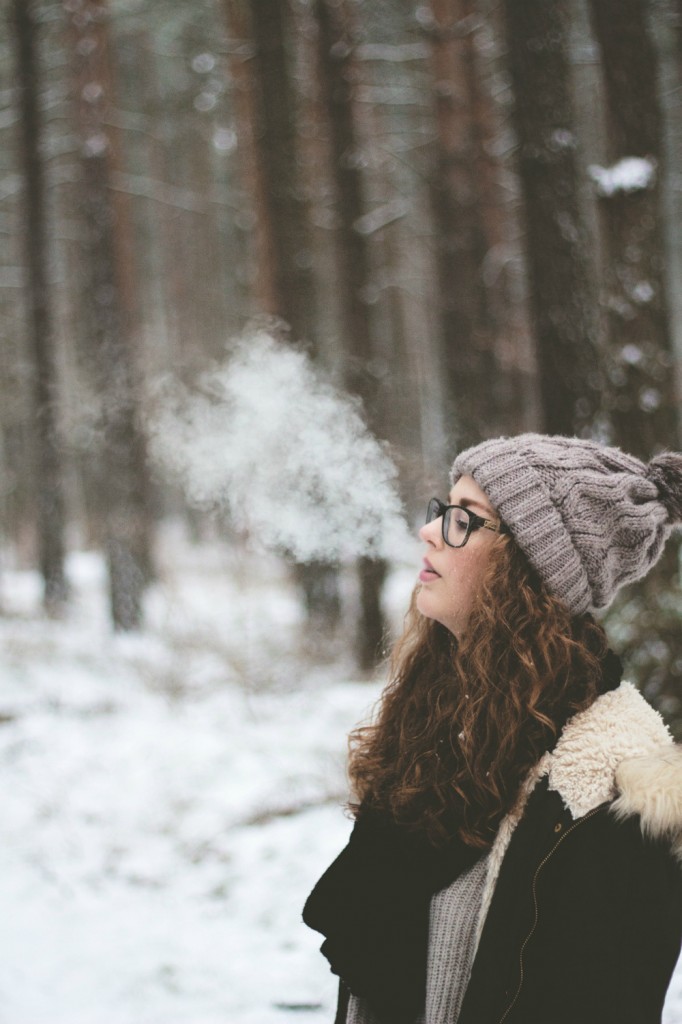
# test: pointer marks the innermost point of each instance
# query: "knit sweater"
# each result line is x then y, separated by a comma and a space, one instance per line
452, 945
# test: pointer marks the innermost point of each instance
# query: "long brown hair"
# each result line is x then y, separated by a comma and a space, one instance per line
463, 721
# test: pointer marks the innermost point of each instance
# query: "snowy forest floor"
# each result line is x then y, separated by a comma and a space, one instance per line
169, 799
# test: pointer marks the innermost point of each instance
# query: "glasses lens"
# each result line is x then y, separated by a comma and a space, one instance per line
434, 510
456, 526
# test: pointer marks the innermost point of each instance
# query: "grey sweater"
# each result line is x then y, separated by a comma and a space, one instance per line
452, 927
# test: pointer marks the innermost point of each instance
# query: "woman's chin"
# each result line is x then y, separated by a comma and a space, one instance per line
425, 604
422, 602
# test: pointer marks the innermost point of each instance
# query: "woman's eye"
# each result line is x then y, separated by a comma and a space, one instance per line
461, 523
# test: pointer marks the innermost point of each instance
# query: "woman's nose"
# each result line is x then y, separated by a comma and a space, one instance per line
431, 533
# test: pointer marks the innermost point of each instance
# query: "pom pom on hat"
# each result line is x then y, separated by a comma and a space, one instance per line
665, 471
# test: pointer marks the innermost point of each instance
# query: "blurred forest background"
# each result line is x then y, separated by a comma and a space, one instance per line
468, 211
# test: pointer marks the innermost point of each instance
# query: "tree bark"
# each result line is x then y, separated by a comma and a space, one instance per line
50, 499
642, 397
246, 102
463, 237
563, 306
267, 121
336, 76
110, 290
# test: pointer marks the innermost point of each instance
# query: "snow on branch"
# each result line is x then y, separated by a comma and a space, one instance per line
631, 174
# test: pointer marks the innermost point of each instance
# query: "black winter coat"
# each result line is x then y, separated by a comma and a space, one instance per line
581, 921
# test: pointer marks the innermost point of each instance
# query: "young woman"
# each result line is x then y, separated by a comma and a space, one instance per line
516, 856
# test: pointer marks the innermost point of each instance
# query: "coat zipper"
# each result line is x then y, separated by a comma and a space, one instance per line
535, 905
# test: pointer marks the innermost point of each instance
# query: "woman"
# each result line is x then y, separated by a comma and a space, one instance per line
517, 851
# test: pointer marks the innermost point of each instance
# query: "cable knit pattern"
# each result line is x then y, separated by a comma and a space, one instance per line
452, 925
589, 518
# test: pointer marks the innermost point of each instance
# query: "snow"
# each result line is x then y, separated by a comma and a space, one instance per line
631, 354
203, 63
562, 138
95, 145
224, 140
649, 399
631, 174
643, 292
170, 798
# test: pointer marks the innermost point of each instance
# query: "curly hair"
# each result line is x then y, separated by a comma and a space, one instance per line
463, 721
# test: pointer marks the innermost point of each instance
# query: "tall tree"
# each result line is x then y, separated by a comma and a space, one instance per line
269, 122
49, 481
464, 180
337, 74
267, 116
643, 400
563, 304
643, 406
110, 293
253, 164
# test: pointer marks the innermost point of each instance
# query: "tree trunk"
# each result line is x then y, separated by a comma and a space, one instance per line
267, 120
45, 388
642, 394
463, 239
246, 105
563, 307
110, 290
336, 77
642, 397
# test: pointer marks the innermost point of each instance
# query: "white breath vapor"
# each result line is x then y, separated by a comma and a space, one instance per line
265, 437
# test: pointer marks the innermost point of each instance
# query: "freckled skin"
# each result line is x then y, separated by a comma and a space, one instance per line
449, 597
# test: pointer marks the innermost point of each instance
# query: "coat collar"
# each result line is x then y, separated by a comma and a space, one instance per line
591, 762
618, 749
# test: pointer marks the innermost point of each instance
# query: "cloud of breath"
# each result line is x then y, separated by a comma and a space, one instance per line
266, 438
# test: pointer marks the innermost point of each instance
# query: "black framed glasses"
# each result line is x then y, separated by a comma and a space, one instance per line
459, 522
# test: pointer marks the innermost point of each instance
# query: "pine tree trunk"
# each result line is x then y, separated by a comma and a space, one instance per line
563, 306
45, 390
110, 290
463, 239
267, 120
642, 393
269, 123
245, 93
642, 397
336, 76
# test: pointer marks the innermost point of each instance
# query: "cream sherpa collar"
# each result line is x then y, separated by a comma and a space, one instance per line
591, 760
618, 749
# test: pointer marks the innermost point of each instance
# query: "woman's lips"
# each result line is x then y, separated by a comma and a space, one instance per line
428, 573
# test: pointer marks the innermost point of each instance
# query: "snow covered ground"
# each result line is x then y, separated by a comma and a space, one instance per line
169, 799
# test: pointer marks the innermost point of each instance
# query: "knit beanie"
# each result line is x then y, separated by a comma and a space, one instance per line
589, 518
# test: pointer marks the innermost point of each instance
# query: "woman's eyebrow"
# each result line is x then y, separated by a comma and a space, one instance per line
472, 501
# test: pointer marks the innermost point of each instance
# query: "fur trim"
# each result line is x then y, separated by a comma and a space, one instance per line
652, 788
619, 724
619, 745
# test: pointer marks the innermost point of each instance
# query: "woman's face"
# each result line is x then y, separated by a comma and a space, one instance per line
451, 577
